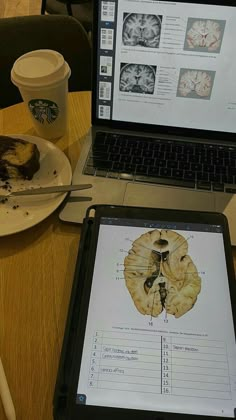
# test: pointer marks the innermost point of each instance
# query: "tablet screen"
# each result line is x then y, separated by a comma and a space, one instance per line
159, 333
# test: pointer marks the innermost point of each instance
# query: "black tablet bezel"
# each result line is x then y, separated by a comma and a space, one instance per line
85, 412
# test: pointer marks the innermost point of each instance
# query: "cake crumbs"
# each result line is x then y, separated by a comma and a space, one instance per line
6, 186
15, 207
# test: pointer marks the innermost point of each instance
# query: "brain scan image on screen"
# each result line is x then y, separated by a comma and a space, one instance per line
137, 78
195, 83
204, 35
160, 275
141, 30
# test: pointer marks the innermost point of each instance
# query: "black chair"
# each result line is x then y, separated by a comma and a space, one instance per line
80, 9
19, 35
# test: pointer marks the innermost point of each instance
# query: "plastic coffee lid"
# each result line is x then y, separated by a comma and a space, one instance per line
39, 68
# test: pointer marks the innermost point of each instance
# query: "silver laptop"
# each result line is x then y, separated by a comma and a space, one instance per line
163, 108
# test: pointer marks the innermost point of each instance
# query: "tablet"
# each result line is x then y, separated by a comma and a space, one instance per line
150, 332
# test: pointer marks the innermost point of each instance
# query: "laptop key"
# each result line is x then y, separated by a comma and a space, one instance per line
125, 150
90, 162
177, 148
221, 169
114, 175
215, 178
203, 176
153, 171
140, 144
189, 175
114, 149
218, 187
195, 159
125, 158
114, 157
110, 140
149, 161
141, 170
172, 164
147, 153
100, 137
181, 158
99, 148
137, 160
229, 162
159, 155
121, 142
205, 161
165, 172
99, 172
184, 165
156, 147
129, 168
99, 155
165, 147
137, 153
102, 164
118, 166
230, 190
166, 181
232, 171
219, 161
177, 173
170, 156
196, 167
204, 185
208, 168
89, 170
228, 179
126, 177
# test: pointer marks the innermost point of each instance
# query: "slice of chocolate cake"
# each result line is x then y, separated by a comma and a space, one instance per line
18, 158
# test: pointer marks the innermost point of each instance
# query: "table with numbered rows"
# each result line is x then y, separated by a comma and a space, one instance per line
159, 364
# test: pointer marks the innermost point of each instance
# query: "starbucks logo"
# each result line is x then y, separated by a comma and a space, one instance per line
44, 110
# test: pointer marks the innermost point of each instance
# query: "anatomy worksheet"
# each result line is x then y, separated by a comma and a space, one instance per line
159, 323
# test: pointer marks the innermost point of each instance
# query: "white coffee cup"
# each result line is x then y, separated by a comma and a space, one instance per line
42, 79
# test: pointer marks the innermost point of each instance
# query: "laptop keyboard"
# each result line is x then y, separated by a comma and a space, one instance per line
192, 165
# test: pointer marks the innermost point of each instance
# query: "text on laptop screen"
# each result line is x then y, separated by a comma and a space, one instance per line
167, 63
159, 333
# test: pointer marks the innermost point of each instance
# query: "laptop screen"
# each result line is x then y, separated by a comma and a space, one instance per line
166, 63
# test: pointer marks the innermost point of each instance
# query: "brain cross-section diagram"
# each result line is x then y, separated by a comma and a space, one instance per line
204, 34
196, 84
141, 30
137, 78
160, 275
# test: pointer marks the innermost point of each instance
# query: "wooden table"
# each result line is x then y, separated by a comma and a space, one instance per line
36, 274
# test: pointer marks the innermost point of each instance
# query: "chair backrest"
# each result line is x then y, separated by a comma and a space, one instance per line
19, 35
82, 10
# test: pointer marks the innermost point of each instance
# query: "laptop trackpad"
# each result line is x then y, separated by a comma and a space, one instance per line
168, 197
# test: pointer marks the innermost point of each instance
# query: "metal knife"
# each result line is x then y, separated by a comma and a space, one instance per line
47, 190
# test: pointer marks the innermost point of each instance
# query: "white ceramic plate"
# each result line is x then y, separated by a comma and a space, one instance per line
20, 213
